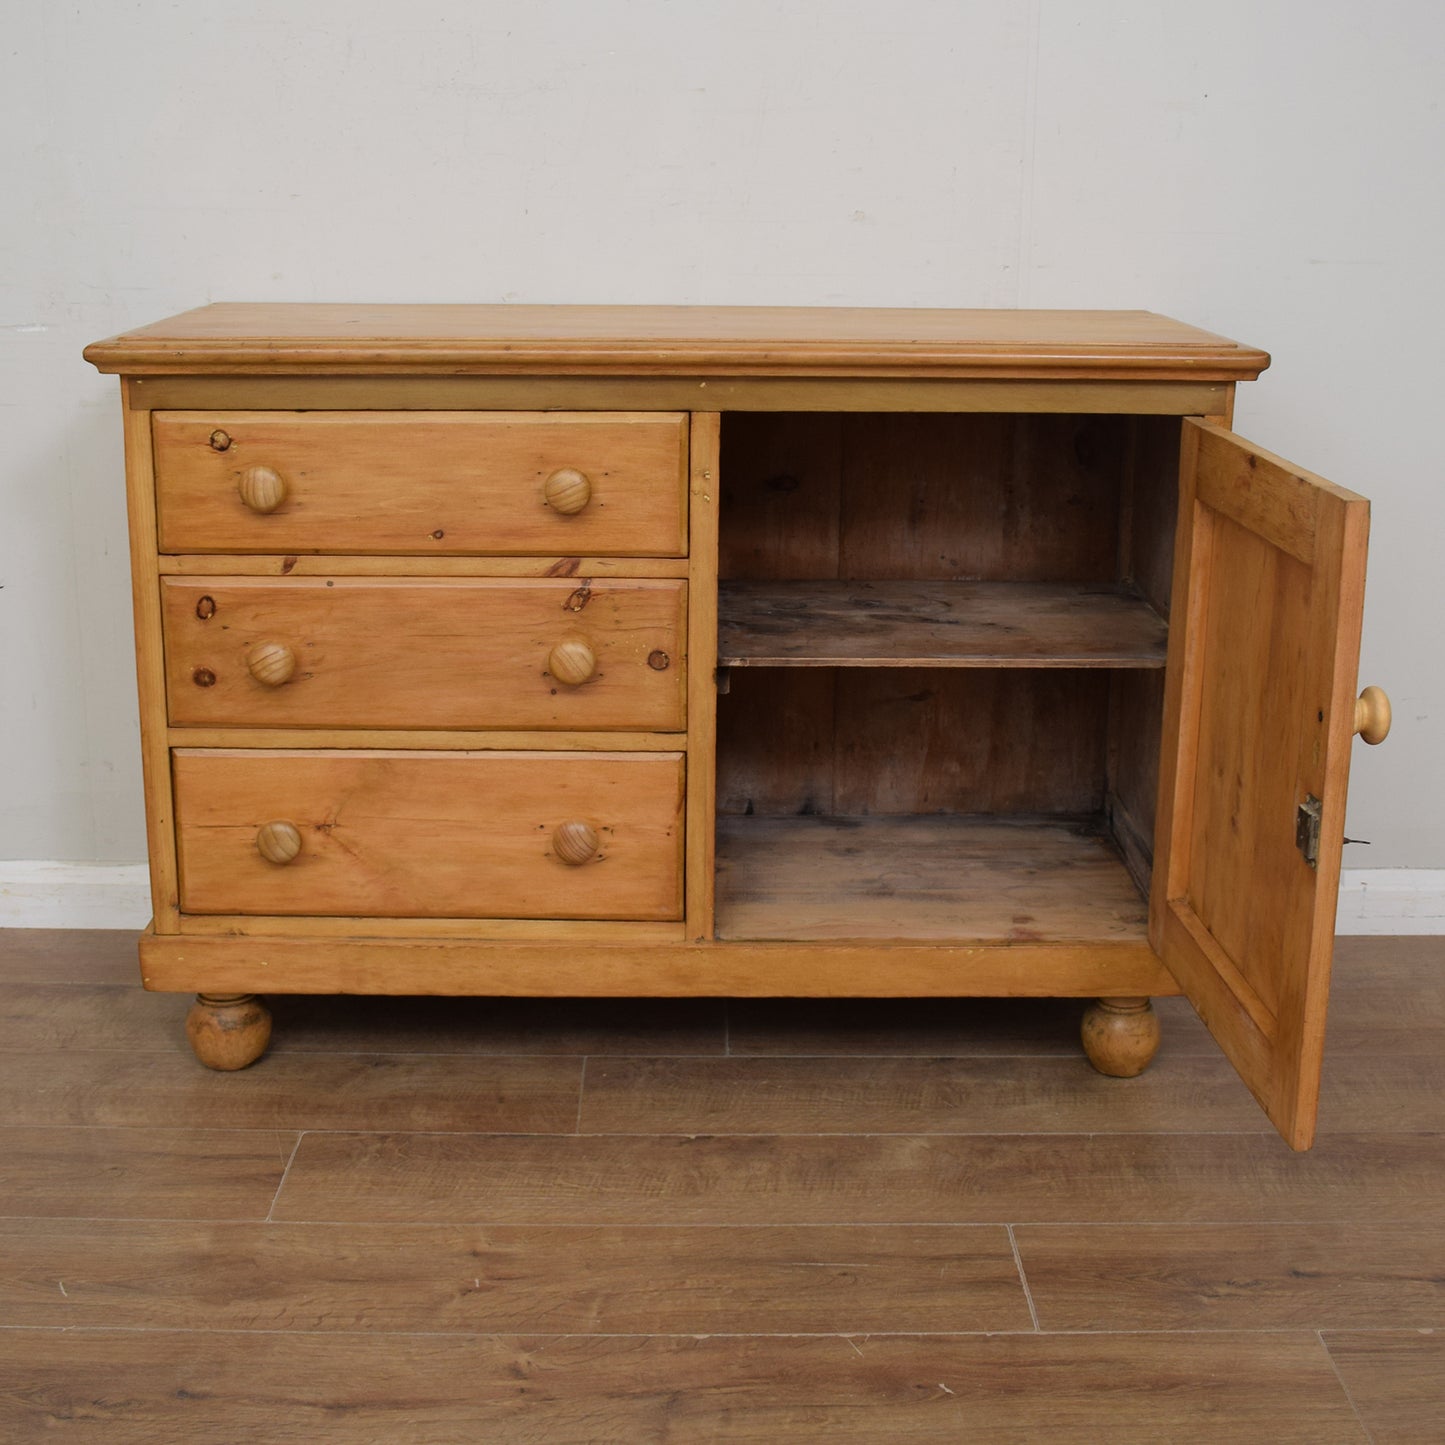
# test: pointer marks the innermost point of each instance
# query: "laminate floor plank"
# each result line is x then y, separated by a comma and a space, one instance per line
1235, 1276
859, 1179
910, 1096
812, 1220
91, 1016
445, 1278
1397, 1382
141, 1173
69, 955
347, 1091
1361, 1093
1003, 1389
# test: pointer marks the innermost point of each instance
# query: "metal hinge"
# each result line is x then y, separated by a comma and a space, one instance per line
1307, 830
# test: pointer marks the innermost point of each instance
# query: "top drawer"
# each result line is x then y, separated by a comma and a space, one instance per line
433, 482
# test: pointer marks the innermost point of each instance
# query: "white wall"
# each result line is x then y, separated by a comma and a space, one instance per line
1271, 170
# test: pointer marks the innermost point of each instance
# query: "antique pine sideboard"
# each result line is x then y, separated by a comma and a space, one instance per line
665, 650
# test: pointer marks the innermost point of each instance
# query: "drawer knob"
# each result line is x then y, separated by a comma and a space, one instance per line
574, 842
262, 489
1372, 715
278, 842
567, 491
572, 662
271, 663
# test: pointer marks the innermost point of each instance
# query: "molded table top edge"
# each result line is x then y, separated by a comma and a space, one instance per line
277, 338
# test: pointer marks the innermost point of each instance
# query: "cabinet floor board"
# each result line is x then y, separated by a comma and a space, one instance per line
934, 877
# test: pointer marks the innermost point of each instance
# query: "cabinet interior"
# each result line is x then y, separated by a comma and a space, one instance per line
941, 652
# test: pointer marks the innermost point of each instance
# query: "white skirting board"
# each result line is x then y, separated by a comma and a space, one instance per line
74, 895
105, 895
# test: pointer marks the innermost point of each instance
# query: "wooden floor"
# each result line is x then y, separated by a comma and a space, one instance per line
561, 1222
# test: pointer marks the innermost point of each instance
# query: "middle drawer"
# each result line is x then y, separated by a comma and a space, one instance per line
425, 653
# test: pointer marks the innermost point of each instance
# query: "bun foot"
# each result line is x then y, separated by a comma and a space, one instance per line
228, 1030
1121, 1035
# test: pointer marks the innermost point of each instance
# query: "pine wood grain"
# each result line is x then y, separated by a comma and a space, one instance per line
858, 1179
996, 498
921, 878
805, 741
1264, 645
908, 1096
1396, 1381
935, 624
299, 390
678, 340
566, 967
443, 483
294, 1091
397, 833
781, 499
333, 565
360, 660
704, 503
140, 490
997, 741
143, 1173
341, 928
1258, 1276
448, 1279
1232, 1389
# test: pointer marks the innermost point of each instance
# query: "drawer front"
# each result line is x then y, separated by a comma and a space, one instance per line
425, 653
550, 484
441, 835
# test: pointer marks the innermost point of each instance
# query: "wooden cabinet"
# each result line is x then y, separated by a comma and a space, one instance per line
555, 650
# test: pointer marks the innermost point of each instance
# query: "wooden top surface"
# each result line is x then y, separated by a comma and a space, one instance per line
280, 338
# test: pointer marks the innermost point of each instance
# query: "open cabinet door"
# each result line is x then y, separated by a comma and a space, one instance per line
1259, 714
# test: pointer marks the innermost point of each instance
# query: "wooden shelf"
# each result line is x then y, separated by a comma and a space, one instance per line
922, 878
936, 624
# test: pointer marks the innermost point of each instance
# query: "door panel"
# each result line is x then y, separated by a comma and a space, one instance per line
1264, 646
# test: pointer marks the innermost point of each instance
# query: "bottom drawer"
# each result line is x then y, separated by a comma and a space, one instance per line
427, 834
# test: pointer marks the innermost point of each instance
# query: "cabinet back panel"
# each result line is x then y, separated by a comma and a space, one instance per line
857, 741
993, 497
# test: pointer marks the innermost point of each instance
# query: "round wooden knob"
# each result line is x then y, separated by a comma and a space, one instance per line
1372, 715
567, 491
271, 663
278, 842
572, 662
262, 489
575, 842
